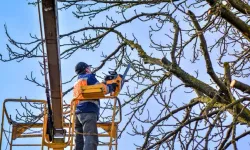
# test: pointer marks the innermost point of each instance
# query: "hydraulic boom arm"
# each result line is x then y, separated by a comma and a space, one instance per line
50, 20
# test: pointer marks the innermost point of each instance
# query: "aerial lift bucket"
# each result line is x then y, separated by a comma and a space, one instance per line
18, 129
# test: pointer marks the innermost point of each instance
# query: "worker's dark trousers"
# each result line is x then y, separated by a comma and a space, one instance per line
86, 123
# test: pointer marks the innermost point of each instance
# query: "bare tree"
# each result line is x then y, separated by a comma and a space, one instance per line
179, 94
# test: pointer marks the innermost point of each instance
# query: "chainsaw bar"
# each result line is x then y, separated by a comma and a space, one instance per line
125, 74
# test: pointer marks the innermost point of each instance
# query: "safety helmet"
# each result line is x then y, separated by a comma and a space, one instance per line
80, 67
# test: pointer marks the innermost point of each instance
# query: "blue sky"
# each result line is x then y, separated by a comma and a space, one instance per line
22, 19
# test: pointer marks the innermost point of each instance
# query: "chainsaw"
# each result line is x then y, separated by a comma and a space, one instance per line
115, 79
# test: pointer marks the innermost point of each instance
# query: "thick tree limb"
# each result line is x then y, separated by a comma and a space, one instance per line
209, 91
227, 73
240, 6
243, 27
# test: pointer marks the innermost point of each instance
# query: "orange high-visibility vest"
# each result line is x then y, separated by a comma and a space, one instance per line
77, 91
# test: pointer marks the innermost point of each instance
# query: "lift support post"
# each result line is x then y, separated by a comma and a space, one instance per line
51, 31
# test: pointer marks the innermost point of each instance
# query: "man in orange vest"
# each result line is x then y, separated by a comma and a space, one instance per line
87, 111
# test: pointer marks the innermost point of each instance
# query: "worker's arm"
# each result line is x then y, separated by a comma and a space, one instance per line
92, 80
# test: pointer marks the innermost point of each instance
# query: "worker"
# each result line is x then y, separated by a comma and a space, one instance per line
87, 111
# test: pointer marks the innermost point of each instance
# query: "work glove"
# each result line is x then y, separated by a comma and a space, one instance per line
112, 87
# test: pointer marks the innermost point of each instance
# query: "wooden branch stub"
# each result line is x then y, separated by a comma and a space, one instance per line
241, 86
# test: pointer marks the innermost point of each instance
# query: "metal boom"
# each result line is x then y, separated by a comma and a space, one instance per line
50, 19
